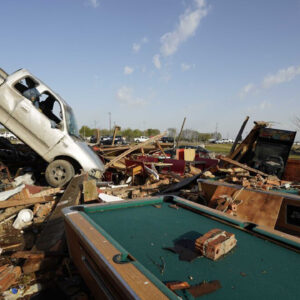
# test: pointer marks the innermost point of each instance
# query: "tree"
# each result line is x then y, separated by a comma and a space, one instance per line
218, 135
152, 132
297, 122
172, 132
86, 131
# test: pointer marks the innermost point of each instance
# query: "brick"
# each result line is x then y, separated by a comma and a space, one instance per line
9, 277
44, 209
215, 243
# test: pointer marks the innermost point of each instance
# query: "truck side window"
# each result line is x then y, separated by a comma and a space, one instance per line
51, 108
27, 87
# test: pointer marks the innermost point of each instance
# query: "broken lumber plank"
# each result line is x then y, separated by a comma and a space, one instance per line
248, 142
24, 194
239, 135
25, 201
35, 254
28, 254
90, 191
47, 192
161, 149
54, 229
52, 235
11, 211
134, 148
245, 167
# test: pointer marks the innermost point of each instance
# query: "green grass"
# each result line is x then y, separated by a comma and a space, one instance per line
219, 148
225, 148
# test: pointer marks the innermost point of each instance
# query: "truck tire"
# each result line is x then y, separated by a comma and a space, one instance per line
59, 172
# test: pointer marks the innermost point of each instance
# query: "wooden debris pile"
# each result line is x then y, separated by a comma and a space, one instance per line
245, 176
34, 256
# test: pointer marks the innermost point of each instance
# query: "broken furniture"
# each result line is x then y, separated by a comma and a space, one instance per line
273, 209
119, 248
265, 149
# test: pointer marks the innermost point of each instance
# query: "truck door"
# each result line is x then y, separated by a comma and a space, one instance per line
31, 125
34, 128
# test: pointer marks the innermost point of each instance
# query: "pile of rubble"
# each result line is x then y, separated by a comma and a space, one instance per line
32, 245
34, 257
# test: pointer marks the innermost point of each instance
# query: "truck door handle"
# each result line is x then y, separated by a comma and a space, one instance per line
25, 107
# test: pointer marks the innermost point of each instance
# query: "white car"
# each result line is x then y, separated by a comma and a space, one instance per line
40, 118
141, 139
8, 135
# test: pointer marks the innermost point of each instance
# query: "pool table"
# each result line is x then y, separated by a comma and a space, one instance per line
122, 251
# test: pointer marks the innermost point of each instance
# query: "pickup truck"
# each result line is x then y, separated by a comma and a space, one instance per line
40, 118
141, 139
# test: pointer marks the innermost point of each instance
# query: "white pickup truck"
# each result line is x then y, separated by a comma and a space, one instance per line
40, 118
141, 139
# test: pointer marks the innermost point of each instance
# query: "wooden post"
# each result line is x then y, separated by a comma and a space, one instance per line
179, 136
239, 135
115, 133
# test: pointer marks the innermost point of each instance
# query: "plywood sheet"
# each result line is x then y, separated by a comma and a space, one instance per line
256, 207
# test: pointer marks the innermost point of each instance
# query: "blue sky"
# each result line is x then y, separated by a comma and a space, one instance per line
151, 63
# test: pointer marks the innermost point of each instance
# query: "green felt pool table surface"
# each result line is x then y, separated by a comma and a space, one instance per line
255, 268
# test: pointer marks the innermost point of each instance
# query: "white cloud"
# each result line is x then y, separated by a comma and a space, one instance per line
136, 47
186, 67
166, 77
264, 105
128, 70
125, 96
187, 26
156, 61
94, 3
283, 75
247, 89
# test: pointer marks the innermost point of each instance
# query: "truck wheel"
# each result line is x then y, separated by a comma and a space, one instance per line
59, 172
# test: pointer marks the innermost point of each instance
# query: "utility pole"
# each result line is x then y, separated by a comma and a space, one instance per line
216, 133
109, 114
179, 136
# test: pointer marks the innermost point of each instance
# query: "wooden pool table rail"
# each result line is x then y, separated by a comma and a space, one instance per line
93, 254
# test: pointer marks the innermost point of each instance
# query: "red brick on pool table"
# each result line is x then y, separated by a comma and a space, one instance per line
215, 243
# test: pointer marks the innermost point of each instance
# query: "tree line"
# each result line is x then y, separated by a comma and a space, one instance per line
188, 135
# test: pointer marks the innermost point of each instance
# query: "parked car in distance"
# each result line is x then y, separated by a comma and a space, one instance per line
167, 139
224, 141
8, 135
40, 118
107, 140
141, 139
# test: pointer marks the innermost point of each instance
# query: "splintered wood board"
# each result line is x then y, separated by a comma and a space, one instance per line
90, 191
256, 207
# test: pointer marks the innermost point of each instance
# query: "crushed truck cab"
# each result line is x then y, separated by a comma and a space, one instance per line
46, 123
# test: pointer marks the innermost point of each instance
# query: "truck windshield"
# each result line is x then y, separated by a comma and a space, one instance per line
71, 122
